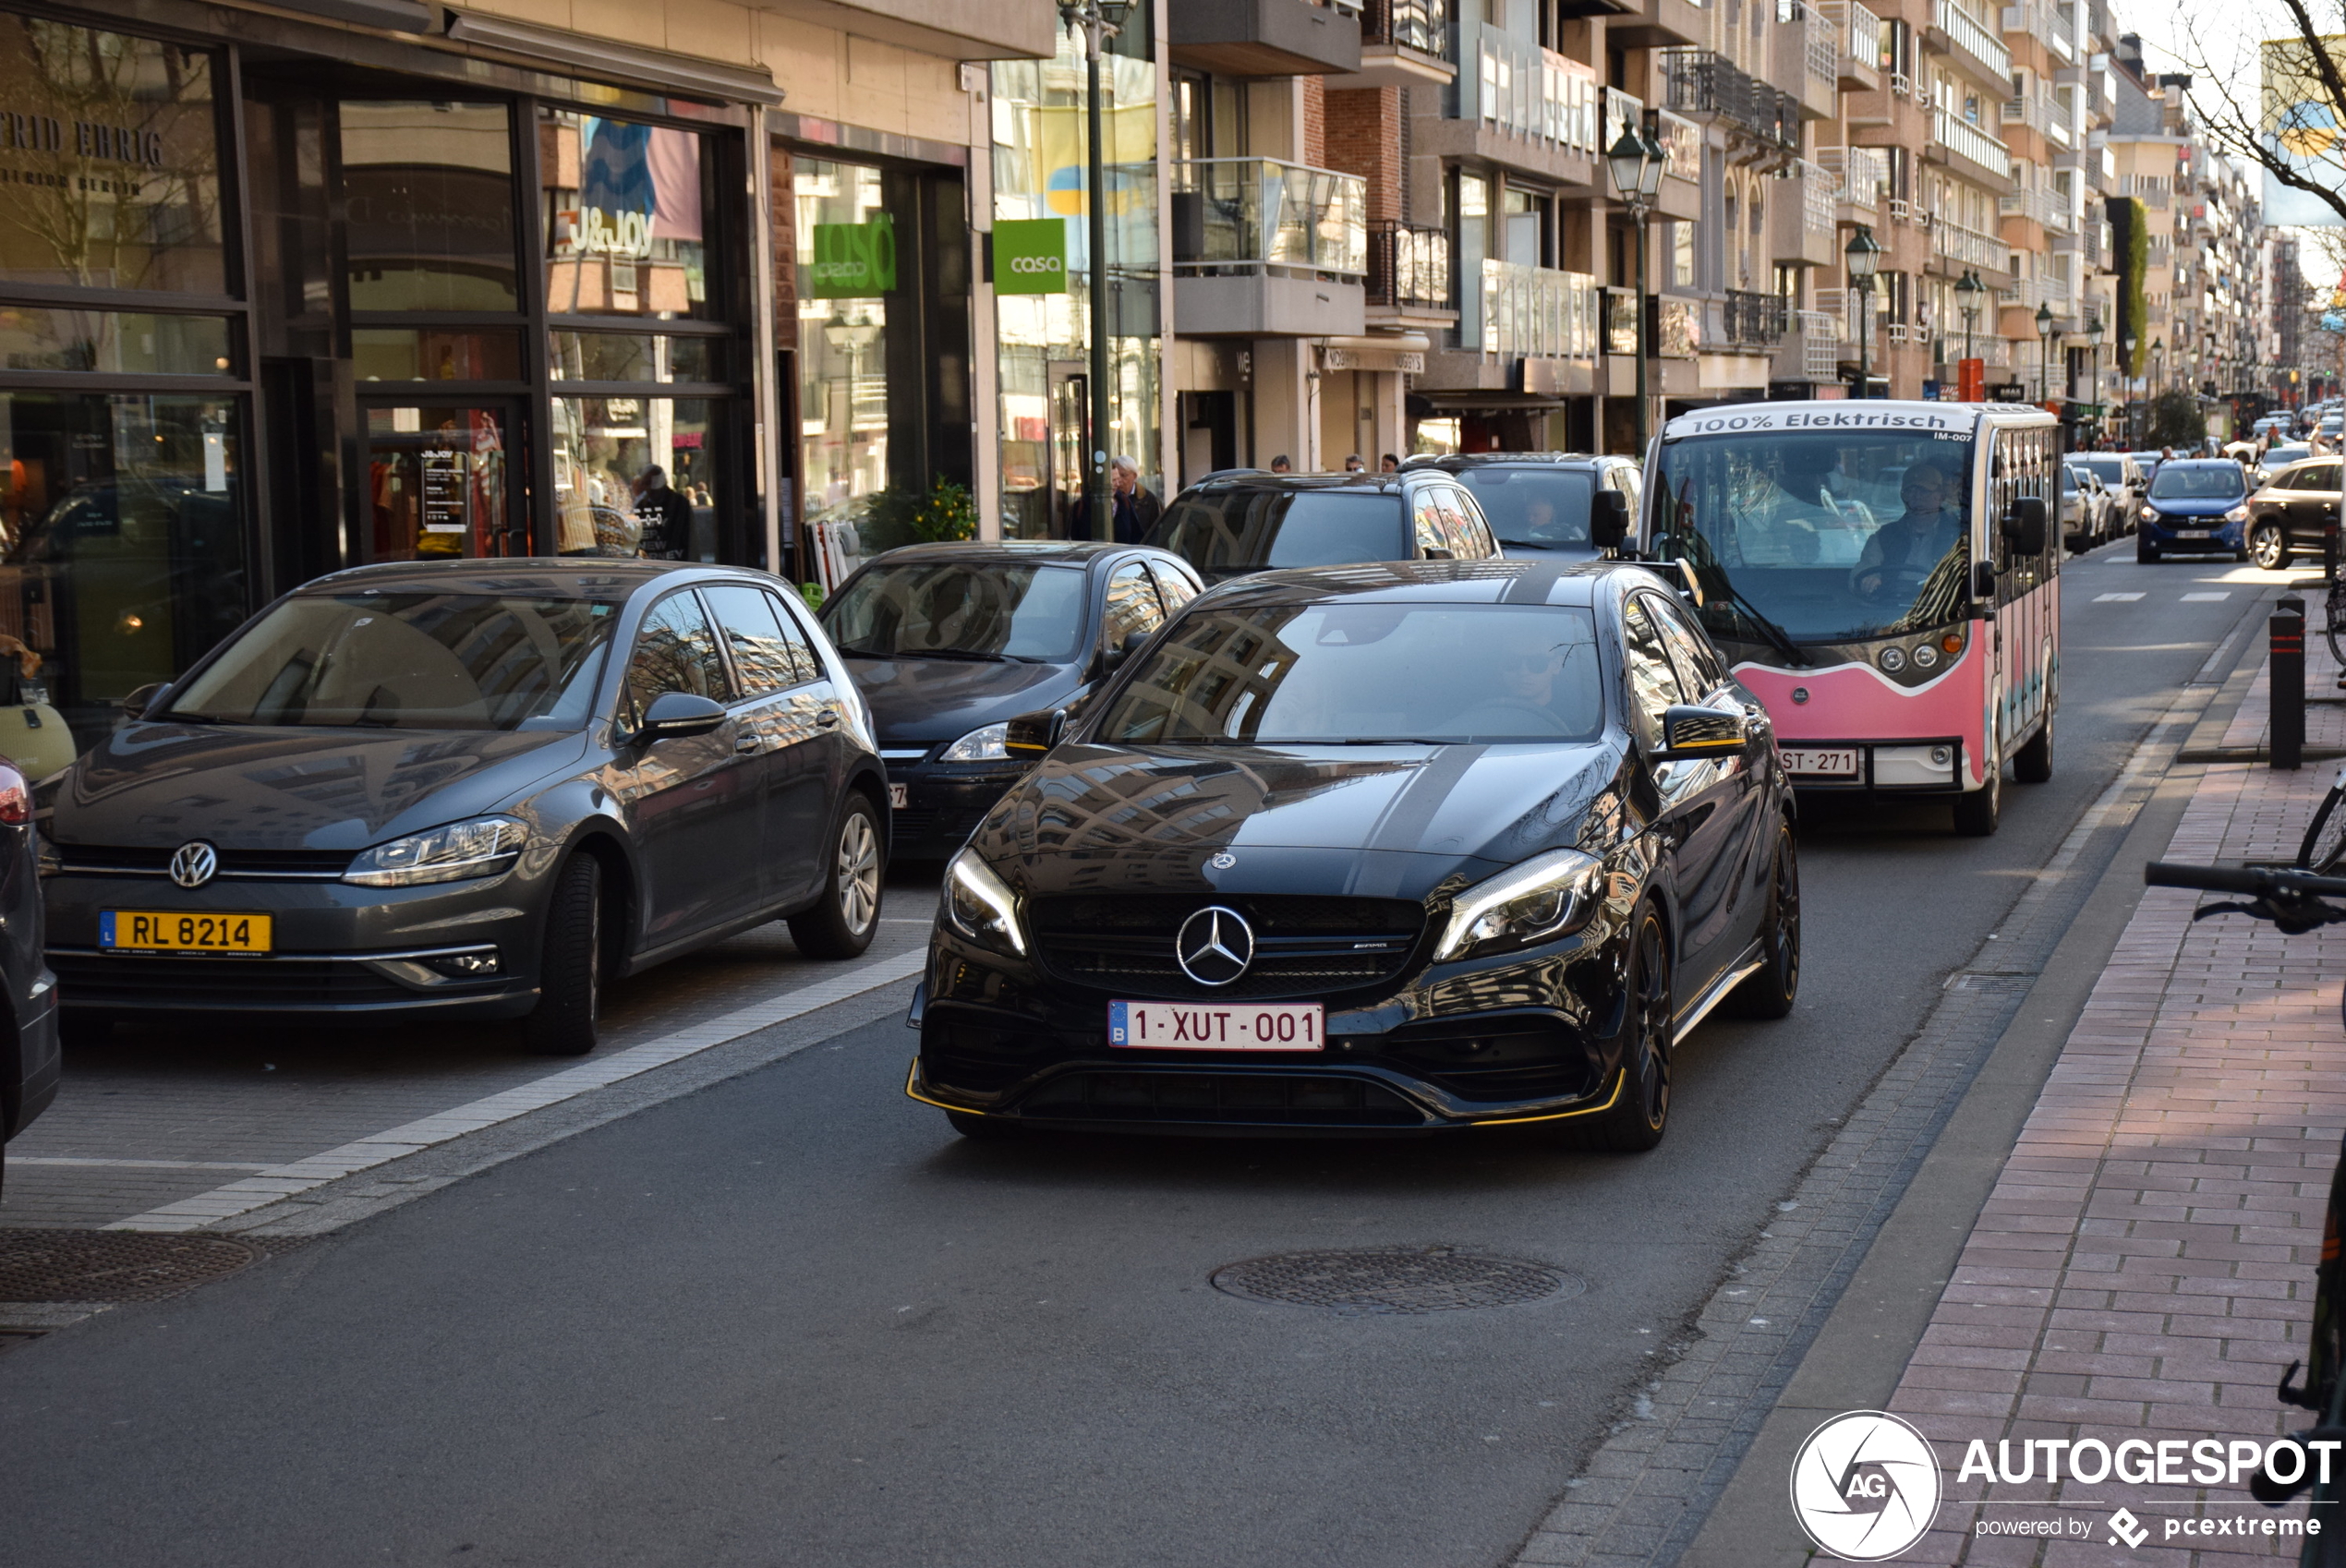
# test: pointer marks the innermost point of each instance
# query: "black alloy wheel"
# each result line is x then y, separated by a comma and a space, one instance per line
841, 922
2268, 546
1769, 993
1640, 1112
570, 970
1978, 813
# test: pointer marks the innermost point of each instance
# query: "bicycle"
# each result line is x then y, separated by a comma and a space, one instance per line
2295, 900
2323, 851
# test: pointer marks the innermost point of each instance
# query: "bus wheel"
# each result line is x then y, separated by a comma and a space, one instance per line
2033, 763
1978, 811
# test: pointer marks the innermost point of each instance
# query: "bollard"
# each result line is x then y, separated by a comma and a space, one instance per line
2287, 629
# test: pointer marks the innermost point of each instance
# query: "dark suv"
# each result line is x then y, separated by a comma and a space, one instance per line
1233, 525
1543, 501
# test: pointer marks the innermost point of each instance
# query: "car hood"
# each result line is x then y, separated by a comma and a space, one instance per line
2215, 506
920, 702
1384, 822
264, 788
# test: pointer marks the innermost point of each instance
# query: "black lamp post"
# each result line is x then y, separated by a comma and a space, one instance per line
1100, 20
2093, 384
2044, 352
2126, 342
1636, 160
1863, 254
1968, 288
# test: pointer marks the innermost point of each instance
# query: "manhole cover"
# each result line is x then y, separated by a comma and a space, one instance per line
112, 1265
1394, 1279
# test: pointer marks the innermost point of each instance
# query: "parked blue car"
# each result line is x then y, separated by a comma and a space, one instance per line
2197, 504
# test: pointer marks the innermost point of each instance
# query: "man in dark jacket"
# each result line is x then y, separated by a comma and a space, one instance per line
667, 518
1133, 511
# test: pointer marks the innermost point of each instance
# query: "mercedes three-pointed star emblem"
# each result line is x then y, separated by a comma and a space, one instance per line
1215, 946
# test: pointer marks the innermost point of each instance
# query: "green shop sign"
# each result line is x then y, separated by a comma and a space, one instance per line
852, 260
1030, 256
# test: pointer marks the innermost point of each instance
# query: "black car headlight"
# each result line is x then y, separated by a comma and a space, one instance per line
981, 906
1546, 897
482, 846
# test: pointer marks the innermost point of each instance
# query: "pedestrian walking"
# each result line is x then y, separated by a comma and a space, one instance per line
1132, 510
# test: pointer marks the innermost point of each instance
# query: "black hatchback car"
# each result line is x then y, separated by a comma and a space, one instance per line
1549, 504
2293, 511
1388, 849
1231, 524
949, 642
468, 789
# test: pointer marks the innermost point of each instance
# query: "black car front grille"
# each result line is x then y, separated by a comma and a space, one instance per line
92, 980
1304, 945
109, 859
1284, 1099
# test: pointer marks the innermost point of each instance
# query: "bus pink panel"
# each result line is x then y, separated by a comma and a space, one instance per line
1853, 702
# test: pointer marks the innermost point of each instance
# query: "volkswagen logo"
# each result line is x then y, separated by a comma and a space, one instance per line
194, 865
1215, 946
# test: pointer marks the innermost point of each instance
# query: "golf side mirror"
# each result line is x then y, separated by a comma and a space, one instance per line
2025, 525
675, 714
1690, 731
1032, 734
1132, 643
1608, 519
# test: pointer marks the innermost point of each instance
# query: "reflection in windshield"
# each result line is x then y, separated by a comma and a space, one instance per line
1350, 673
1543, 511
934, 607
1829, 536
1223, 533
408, 661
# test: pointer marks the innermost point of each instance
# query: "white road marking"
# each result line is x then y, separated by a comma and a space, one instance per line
2116, 598
275, 1182
139, 1164
2208, 598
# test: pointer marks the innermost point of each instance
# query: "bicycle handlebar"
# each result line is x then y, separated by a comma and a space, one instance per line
2258, 882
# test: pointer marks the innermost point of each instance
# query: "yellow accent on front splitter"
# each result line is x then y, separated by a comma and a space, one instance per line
1559, 1115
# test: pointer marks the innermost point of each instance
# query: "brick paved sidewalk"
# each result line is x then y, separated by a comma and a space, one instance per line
2144, 1267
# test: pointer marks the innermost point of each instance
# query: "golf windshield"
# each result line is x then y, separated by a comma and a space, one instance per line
1820, 535
1364, 674
407, 661
961, 610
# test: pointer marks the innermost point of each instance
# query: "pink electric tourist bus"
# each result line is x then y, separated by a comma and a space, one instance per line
1883, 576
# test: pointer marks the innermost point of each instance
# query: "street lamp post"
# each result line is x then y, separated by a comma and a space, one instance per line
1636, 161
2157, 366
2093, 382
1100, 20
1968, 288
1863, 254
2126, 342
2044, 353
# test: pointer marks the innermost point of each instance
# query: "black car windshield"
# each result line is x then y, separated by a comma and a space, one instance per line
1021, 610
1356, 673
1224, 532
1826, 536
408, 661
2211, 481
1540, 509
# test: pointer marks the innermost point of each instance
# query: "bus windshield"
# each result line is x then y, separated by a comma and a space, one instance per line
1819, 536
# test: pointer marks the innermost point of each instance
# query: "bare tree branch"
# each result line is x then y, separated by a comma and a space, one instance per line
2233, 130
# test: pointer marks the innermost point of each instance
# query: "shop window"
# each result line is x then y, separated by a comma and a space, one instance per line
36, 338
850, 244
436, 486
635, 475
404, 353
121, 540
429, 193
628, 217
627, 357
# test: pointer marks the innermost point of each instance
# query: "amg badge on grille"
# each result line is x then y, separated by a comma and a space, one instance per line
1214, 945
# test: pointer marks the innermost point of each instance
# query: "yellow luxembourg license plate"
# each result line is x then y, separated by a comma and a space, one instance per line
171, 930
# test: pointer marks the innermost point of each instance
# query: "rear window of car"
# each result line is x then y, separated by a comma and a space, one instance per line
1542, 508
1230, 531
2112, 469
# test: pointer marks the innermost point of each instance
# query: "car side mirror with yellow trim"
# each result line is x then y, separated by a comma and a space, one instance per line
1031, 734
1690, 731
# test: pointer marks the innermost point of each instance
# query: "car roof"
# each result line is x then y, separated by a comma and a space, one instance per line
1458, 462
2201, 463
569, 576
1431, 582
1069, 551
1373, 483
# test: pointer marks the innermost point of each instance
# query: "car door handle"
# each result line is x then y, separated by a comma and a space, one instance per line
828, 718
748, 742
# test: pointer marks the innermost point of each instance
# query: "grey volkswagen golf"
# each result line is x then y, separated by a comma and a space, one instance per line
468, 789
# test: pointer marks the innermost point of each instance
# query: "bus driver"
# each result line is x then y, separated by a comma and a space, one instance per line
1908, 547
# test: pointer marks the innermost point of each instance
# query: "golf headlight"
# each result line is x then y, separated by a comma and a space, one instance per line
989, 744
482, 846
980, 906
1547, 896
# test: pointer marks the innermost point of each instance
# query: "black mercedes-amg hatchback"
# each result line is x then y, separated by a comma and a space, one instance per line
1373, 848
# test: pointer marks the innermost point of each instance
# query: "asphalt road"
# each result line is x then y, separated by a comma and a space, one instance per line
792, 1318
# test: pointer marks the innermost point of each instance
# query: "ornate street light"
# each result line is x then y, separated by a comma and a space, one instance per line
2044, 352
2093, 384
1636, 161
1863, 254
1968, 289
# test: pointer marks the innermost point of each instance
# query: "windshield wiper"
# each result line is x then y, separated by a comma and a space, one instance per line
972, 656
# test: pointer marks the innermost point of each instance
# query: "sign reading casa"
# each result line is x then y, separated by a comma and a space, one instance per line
1030, 256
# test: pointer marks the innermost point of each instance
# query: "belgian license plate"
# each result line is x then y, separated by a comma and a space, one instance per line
900, 795
1836, 762
2192, 534
1210, 1026
174, 931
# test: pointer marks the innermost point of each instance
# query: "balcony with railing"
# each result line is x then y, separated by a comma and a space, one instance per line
1420, 26
1960, 137
1858, 48
1681, 147
1754, 320
1860, 176
1704, 83
2041, 111
1536, 313
1819, 345
1984, 50
2044, 205
1409, 267
1801, 215
1524, 90
1968, 246
1264, 248
1265, 38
